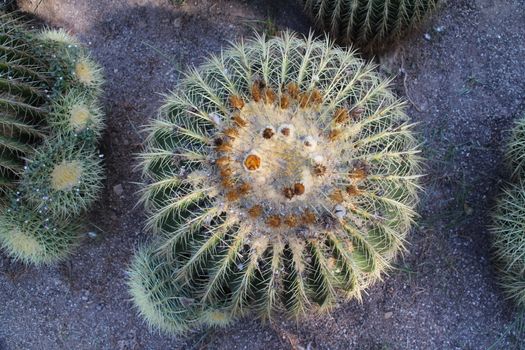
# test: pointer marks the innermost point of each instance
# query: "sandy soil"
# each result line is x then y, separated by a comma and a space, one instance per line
466, 81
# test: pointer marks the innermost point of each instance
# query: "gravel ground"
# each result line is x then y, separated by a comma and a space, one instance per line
466, 81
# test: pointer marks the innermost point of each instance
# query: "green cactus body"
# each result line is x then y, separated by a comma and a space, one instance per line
33, 237
23, 95
62, 178
282, 176
516, 150
49, 114
509, 241
369, 24
509, 221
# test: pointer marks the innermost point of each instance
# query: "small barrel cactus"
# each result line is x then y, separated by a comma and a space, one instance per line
34, 237
369, 24
62, 178
50, 122
283, 176
509, 221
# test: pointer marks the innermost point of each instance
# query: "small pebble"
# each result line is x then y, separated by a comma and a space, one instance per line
118, 189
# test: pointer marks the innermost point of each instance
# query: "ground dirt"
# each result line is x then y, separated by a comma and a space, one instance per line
465, 77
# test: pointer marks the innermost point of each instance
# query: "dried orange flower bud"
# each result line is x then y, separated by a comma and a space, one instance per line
256, 91
232, 196
334, 134
255, 211
226, 172
236, 102
358, 174
231, 133
288, 192
293, 90
244, 188
268, 133
319, 170
222, 161
304, 99
352, 190
286, 131
298, 189
291, 221
315, 97
341, 115
273, 221
337, 196
225, 147
285, 101
308, 217
252, 162
269, 96
227, 182
241, 123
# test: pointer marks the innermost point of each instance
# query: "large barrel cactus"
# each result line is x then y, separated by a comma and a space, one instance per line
516, 150
370, 24
509, 222
281, 176
50, 122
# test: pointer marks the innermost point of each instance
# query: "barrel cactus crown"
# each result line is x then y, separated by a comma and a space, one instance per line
50, 122
282, 176
509, 222
370, 24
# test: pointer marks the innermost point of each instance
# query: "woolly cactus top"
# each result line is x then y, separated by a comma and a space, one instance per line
283, 174
282, 165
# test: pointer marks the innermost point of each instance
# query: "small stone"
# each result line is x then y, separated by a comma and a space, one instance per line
118, 189
340, 211
388, 315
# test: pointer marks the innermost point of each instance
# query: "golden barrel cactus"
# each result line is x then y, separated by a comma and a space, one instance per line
50, 121
281, 177
508, 227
